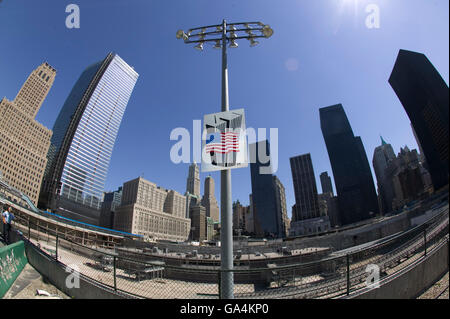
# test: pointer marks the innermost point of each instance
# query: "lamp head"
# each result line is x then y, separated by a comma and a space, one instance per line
267, 31
180, 34
199, 46
253, 42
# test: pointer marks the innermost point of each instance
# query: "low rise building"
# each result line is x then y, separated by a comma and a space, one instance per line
152, 211
310, 226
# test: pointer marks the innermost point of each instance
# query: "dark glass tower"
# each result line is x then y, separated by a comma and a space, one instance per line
83, 139
306, 203
263, 192
357, 198
424, 95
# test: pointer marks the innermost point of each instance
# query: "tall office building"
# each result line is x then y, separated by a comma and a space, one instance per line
325, 181
83, 140
280, 202
382, 155
24, 142
199, 226
408, 178
424, 95
263, 192
267, 203
193, 180
307, 215
152, 211
239, 217
352, 176
209, 200
305, 190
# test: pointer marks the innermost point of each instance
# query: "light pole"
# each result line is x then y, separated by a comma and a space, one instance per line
221, 34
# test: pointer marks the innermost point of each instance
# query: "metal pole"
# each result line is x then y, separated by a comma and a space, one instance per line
114, 265
56, 248
425, 240
226, 233
348, 275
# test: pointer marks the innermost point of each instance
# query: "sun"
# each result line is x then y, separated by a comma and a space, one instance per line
346, 9
348, 2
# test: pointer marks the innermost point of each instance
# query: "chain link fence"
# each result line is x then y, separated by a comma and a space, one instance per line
145, 274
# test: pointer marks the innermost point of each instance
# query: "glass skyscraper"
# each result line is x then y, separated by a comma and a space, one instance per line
83, 139
357, 199
305, 189
263, 192
424, 95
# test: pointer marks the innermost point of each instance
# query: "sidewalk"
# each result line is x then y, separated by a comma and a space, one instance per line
28, 282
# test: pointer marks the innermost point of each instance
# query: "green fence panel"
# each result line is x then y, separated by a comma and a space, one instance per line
12, 261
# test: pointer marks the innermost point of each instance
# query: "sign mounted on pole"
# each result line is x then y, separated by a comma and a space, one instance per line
224, 142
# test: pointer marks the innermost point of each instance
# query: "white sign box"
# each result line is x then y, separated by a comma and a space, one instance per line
224, 142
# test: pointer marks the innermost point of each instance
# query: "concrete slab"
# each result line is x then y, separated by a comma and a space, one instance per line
26, 285
27, 275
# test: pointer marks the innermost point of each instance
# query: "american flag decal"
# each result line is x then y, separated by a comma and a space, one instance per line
223, 143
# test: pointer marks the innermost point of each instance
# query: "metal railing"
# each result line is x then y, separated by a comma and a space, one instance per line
150, 276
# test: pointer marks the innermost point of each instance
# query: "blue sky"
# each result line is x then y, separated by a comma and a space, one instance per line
320, 54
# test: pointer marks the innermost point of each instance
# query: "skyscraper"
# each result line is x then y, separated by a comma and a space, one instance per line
84, 136
352, 176
382, 155
424, 95
193, 180
239, 214
198, 223
307, 215
280, 202
264, 205
24, 142
209, 200
409, 179
305, 190
325, 181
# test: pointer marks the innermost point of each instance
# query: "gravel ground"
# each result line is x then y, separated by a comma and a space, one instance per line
439, 290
